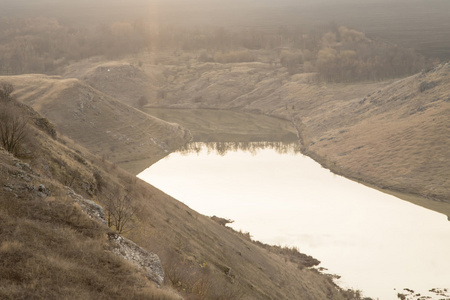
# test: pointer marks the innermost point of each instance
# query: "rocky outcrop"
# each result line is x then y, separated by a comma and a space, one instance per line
94, 210
148, 262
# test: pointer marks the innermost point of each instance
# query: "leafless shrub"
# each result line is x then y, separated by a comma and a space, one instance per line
70, 176
142, 101
189, 276
100, 182
227, 293
120, 213
426, 85
12, 128
47, 126
6, 90
176, 270
161, 94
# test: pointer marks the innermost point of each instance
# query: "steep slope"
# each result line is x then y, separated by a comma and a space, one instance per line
51, 249
106, 126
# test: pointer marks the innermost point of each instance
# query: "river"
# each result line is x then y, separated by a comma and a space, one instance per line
378, 243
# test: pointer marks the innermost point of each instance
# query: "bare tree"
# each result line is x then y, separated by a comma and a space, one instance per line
12, 128
6, 90
119, 211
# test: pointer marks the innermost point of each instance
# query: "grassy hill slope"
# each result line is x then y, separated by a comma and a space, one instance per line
397, 137
104, 125
51, 249
119, 79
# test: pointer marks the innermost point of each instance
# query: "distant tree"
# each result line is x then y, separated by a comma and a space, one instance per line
161, 94
99, 180
12, 127
291, 60
6, 90
426, 85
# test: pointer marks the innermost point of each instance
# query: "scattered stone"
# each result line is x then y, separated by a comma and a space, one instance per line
8, 187
43, 191
146, 261
23, 166
88, 206
221, 221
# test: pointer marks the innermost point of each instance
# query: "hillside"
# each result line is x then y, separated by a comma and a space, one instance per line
396, 138
105, 76
51, 248
392, 134
98, 122
128, 82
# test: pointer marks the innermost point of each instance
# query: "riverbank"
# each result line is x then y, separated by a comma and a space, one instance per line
421, 200
231, 126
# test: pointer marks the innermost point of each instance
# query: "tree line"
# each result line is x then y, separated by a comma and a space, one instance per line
335, 53
13, 121
43, 45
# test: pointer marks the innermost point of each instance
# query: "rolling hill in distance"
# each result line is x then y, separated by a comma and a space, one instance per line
365, 85
349, 128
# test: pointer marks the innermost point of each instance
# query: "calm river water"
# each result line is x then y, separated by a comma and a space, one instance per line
378, 243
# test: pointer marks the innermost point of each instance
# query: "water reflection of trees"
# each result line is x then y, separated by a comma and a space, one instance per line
222, 148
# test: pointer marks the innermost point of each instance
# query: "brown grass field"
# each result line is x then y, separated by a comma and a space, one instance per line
94, 120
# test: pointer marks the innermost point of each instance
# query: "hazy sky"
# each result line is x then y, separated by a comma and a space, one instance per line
398, 21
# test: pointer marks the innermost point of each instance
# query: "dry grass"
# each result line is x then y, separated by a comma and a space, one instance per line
385, 140
208, 125
398, 140
390, 134
396, 137
52, 250
104, 125
393, 135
